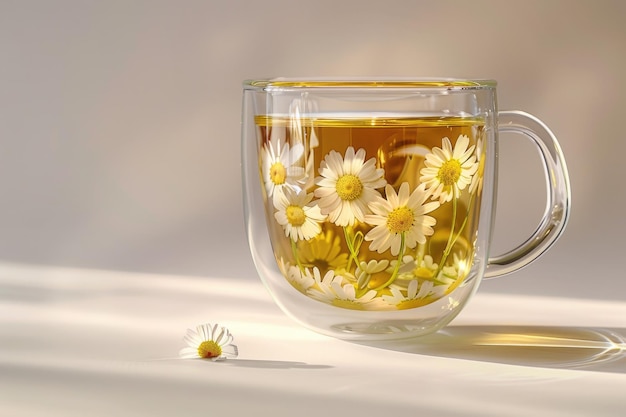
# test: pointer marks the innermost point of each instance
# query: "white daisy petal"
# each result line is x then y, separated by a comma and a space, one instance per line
403, 194
188, 353
414, 292
334, 163
425, 289
396, 241
326, 188
412, 289
230, 351
333, 290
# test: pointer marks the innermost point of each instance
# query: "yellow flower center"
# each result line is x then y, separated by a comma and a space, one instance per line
278, 173
450, 172
423, 272
349, 187
209, 349
400, 220
295, 215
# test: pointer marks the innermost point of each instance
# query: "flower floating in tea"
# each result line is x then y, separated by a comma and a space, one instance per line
448, 170
400, 220
279, 169
301, 278
367, 234
334, 290
299, 218
347, 185
209, 341
416, 294
324, 251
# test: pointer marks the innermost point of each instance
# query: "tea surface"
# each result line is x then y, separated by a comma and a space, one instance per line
374, 212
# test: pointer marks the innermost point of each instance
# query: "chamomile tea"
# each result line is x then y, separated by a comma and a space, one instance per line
372, 212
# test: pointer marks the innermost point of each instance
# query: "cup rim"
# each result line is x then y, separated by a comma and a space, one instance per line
288, 83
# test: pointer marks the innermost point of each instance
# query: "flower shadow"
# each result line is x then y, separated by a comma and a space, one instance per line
268, 364
592, 349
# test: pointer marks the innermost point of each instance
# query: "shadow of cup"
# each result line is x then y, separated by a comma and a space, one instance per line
551, 347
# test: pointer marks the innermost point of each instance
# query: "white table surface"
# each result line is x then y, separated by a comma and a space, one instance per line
99, 343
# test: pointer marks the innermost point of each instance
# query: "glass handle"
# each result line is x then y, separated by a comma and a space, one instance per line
558, 201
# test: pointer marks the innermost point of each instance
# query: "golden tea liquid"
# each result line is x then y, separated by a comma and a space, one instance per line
372, 212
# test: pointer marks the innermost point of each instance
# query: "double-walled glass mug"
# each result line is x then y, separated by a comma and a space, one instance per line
369, 204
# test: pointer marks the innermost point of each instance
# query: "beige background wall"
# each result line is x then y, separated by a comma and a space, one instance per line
119, 120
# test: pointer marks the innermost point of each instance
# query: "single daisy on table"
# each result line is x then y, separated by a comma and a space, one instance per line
346, 185
300, 219
400, 219
209, 342
449, 170
279, 167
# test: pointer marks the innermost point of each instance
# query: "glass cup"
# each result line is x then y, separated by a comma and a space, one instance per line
369, 204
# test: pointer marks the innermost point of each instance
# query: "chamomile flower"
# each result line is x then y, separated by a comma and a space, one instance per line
332, 289
301, 280
399, 217
324, 252
209, 342
346, 186
322, 289
426, 268
279, 167
300, 219
416, 295
449, 170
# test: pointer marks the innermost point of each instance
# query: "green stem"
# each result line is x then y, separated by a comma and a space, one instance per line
469, 206
459, 234
394, 274
446, 251
354, 244
452, 242
360, 292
